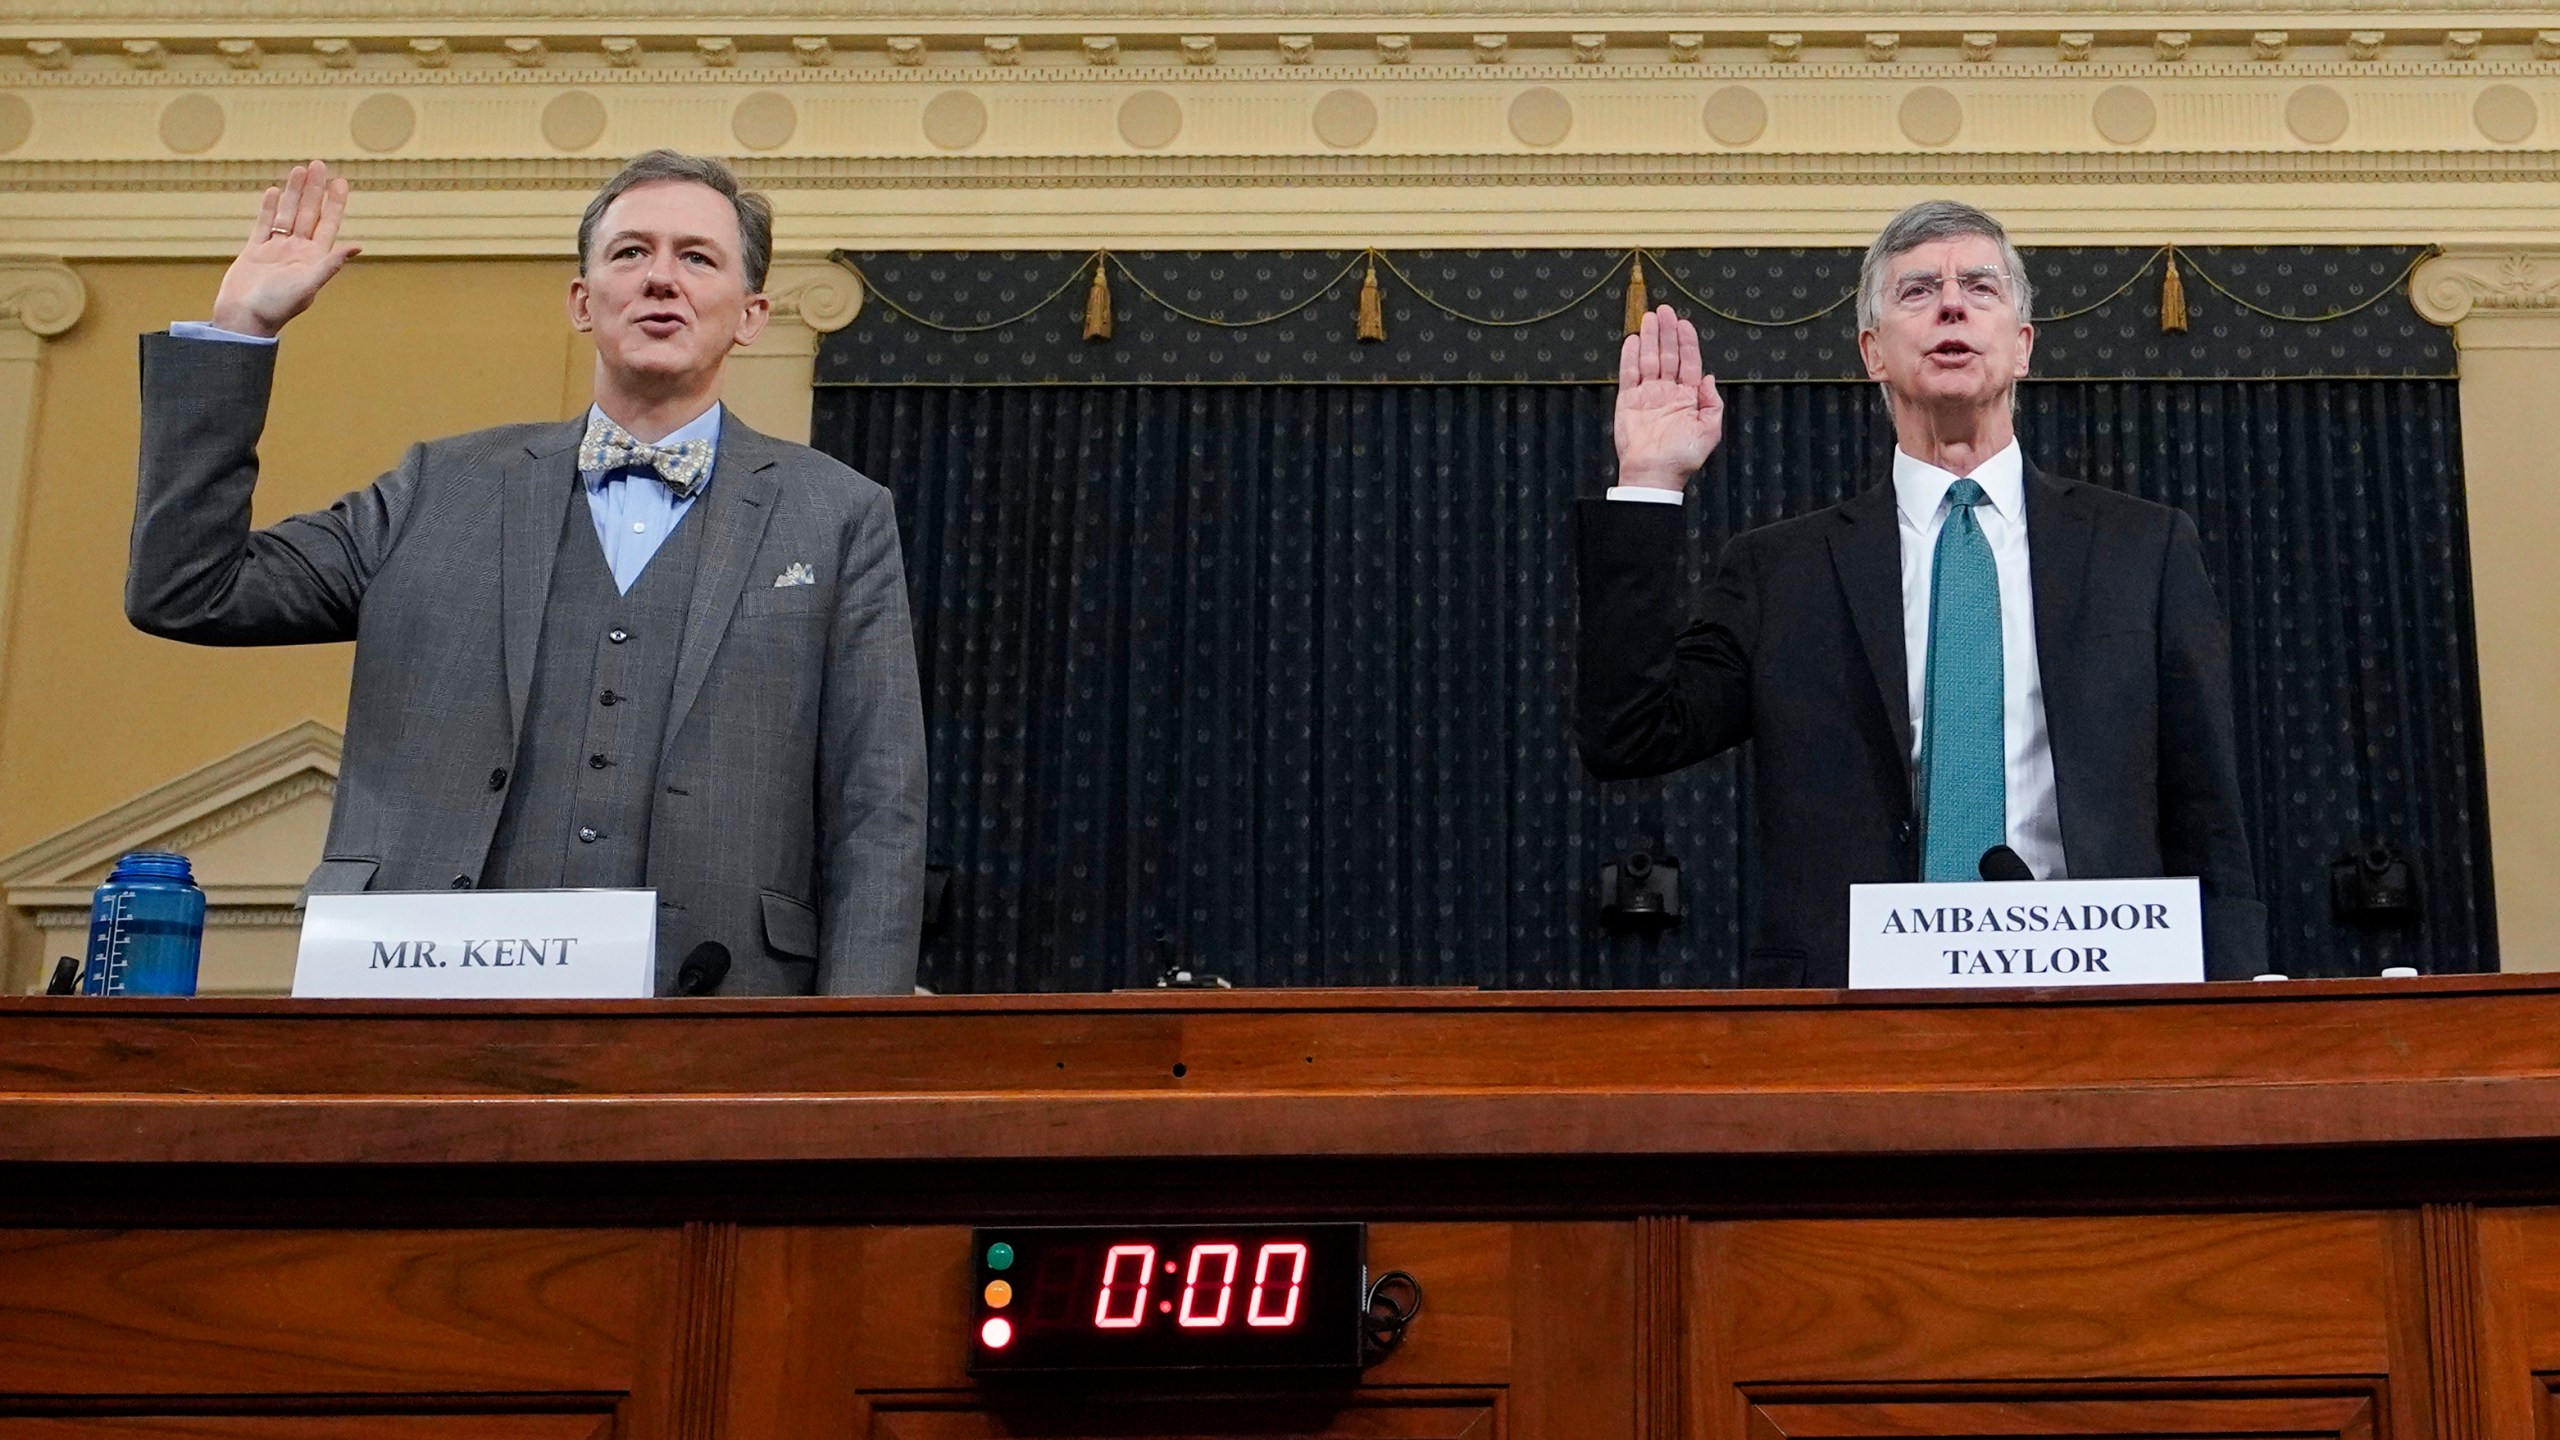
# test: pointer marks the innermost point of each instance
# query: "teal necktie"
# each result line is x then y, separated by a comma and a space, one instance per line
1964, 763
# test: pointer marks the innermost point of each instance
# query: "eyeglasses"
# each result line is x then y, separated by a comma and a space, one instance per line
1984, 289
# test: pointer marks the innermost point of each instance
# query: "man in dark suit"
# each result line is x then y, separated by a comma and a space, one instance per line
645, 647
1970, 655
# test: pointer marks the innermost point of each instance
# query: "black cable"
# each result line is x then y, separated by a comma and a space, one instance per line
1393, 1301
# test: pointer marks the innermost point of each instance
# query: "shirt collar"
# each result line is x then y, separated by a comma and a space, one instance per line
705, 426
1920, 488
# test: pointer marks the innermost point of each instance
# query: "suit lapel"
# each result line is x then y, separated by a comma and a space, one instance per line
536, 489
1867, 552
2058, 535
733, 513
2060, 529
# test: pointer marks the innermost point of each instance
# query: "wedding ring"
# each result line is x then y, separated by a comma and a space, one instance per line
279, 229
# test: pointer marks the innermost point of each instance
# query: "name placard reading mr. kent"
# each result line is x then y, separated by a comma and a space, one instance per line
2025, 932
480, 945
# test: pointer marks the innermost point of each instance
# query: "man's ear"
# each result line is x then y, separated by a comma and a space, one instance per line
1871, 350
759, 313
579, 318
2026, 347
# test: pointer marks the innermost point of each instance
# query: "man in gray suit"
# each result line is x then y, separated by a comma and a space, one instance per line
645, 647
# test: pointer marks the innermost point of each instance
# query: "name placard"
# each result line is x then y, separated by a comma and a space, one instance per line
480, 945
2025, 932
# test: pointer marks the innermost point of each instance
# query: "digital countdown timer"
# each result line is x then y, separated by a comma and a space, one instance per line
1191, 1297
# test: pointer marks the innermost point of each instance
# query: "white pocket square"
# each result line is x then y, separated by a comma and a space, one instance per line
798, 574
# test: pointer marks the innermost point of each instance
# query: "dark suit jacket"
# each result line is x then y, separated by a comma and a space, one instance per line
789, 822
1799, 648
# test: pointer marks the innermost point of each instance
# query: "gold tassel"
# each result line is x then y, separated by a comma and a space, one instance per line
1097, 302
2173, 299
1636, 306
1373, 312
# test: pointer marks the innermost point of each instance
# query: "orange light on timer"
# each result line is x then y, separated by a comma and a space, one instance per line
999, 1294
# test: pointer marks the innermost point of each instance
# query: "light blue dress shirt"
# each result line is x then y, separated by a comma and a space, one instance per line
634, 512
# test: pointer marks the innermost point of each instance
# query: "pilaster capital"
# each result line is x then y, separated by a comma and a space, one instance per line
2507, 283
815, 292
40, 295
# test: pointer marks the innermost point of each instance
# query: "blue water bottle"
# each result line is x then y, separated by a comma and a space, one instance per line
146, 928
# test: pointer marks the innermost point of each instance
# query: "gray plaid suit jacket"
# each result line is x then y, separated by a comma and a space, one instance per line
789, 823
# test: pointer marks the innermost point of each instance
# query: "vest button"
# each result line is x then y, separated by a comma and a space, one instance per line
597, 762
587, 834
1905, 832
610, 698
617, 636
461, 882
498, 778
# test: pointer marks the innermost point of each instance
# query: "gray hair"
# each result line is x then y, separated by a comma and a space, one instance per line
1922, 223
755, 213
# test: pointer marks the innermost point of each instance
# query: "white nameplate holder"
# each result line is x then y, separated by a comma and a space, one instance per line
1996, 934
479, 945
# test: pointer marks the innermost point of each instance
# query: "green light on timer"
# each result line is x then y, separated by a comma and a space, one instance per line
999, 1256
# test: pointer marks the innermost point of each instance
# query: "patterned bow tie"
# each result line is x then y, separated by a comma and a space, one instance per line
683, 466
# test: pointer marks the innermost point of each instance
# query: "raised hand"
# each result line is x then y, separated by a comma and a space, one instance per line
1669, 415
293, 252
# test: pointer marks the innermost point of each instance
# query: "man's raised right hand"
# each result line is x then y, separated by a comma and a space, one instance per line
293, 252
1669, 415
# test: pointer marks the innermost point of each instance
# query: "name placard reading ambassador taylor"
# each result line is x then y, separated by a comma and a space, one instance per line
480, 945
2025, 932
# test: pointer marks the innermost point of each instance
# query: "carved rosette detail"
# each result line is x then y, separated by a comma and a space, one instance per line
817, 293
42, 296
2461, 282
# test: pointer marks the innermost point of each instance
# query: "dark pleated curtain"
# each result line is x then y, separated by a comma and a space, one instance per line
1275, 681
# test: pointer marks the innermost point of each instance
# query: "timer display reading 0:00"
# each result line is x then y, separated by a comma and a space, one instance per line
1062, 1298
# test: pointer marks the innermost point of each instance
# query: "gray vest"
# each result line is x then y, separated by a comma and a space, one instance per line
577, 810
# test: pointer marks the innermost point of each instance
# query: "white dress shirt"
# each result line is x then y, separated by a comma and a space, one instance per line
1920, 505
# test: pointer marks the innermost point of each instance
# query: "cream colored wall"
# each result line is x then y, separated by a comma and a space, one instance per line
2505, 309
94, 712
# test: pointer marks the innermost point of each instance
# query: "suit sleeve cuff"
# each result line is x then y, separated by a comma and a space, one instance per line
202, 330
1646, 494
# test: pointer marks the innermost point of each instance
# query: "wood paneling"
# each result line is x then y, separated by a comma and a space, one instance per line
800, 1302
230, 1312
1810, 1251
1662, 1292
2518, 1359
308, 1427
2165, 1415
1911, 1300
1300, 1074
1259, 1416
2450, 1251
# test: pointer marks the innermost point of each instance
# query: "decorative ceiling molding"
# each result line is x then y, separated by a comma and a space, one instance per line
1581, 170
313, 72
881, 145
45, 17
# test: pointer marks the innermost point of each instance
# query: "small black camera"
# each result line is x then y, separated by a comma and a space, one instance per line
2373, 888
1640, 888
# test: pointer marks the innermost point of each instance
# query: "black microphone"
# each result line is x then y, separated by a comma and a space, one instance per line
704, 969
2002, 863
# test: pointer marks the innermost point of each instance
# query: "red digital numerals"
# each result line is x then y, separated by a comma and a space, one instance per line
1208, 1286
